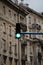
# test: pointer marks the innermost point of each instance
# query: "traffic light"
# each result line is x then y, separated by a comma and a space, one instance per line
18, 31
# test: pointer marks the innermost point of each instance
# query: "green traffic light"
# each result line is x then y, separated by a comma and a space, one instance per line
18, 35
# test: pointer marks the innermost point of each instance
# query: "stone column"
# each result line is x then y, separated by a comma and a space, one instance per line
34, 55
19, 52
28, 53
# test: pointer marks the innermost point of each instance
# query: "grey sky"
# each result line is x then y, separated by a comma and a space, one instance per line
35, 4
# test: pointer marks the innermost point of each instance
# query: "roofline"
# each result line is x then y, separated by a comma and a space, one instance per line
31, 10
15, 7
35, 12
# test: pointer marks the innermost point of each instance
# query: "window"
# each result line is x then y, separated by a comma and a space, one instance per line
15, 17
13, 32
15, 49
34, 20
4, 45
10, 61
31, 58
29, 20
15, 62
10, 13
10, 31
4, 10
4, 24
4, 58
10, 49
22, 20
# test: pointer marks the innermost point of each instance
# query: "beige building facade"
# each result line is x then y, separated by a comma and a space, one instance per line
25, 50
10, 14
34, 42
35, 24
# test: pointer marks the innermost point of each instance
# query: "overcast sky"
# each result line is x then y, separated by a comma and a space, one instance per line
35, 4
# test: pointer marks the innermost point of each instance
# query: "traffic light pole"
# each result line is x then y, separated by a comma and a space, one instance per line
19, 52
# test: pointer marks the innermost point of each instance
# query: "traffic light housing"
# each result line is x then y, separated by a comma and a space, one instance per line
18, 31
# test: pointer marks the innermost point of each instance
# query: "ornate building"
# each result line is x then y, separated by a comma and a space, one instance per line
34, 42
10, 14
25, 50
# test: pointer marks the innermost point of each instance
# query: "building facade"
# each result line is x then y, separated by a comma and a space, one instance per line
10, 47
25, 50
34, 42
35, 24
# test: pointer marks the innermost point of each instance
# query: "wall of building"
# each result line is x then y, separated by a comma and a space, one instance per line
8, 42
9, 52
34, 19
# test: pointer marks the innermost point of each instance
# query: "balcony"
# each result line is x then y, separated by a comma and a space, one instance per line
34, 40
24, 57
36, 26
39, 27
33, 25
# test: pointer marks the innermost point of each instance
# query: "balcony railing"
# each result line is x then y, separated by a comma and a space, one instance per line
37, 26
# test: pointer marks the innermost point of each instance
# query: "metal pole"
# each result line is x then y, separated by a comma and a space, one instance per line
19, 52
